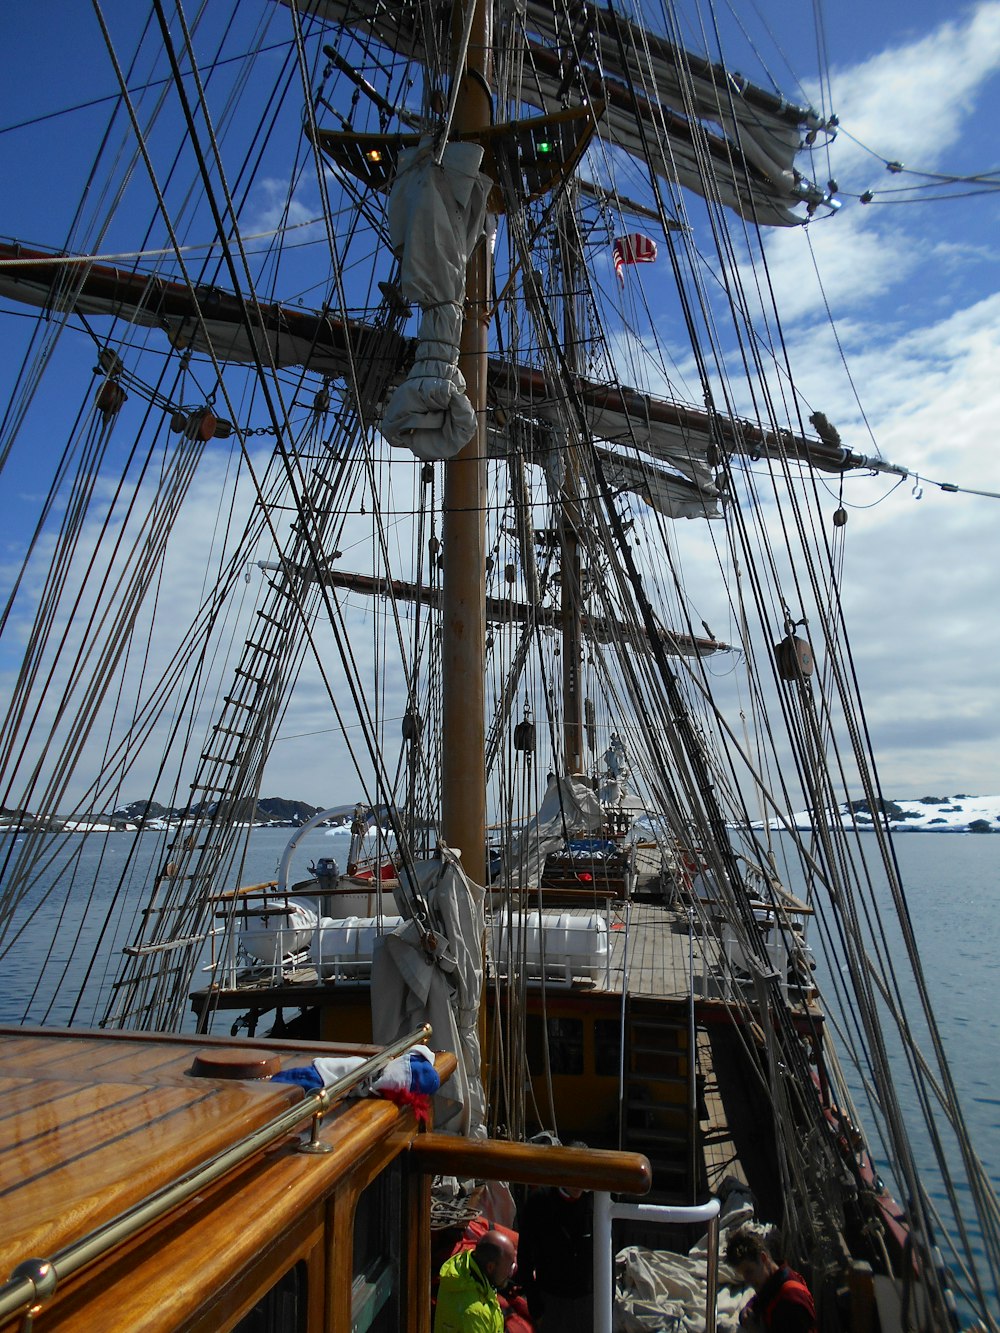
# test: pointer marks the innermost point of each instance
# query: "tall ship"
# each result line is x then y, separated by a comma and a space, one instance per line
405, 391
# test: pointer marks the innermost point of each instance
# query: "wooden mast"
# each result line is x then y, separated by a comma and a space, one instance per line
463, 763
571, 590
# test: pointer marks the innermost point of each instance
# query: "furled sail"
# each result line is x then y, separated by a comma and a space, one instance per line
690, 121
436, 213
413, 982
646, 77
674, 497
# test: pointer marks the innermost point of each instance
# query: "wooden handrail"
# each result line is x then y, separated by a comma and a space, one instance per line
227, 895
533, 1164
36, 1280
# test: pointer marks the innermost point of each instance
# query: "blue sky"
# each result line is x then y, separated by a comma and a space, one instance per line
910, 365
914, 291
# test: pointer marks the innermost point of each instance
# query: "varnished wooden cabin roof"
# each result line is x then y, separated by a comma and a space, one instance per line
91, 1124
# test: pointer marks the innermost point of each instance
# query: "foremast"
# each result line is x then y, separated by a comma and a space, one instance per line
463, 738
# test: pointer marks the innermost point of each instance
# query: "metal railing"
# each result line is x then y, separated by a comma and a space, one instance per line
604, 1213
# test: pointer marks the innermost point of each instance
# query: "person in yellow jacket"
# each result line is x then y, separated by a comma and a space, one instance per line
467, 1297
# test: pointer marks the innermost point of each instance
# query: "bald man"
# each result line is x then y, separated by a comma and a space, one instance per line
467, 1297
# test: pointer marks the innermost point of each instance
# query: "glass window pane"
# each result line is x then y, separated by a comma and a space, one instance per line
284, 1309
378, 1234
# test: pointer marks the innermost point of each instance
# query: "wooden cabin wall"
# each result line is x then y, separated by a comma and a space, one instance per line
584, 1054
350, 1019
302, 1244
584, 1050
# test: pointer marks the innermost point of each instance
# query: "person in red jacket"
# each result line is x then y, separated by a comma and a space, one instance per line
782, 1301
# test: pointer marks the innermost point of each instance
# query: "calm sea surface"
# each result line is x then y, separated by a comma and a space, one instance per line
952, 887
952, 884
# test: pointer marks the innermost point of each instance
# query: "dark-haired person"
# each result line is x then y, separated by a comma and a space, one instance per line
467, 1296
782, 1301
555, 1257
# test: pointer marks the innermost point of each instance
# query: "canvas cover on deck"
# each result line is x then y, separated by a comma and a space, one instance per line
569, 807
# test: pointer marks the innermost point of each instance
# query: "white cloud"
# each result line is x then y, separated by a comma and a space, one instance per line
271, 208
857, 263
909, 103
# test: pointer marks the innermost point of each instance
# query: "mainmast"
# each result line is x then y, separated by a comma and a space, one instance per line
463, 760
571, 590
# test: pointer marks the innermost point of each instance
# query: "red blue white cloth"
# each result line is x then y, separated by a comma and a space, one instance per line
410, 1079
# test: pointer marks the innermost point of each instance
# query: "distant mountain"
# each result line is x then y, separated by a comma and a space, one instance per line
926, 814
280, 810
137, 811
269, 810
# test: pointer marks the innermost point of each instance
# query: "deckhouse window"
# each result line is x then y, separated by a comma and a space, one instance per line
607, 1047
284, 1309
378, 1226
566, 1045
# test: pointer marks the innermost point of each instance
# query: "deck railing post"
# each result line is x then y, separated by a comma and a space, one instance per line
712, 1272
603, 1276
605, 1212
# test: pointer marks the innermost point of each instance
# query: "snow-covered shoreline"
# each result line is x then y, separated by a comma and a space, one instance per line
925, 814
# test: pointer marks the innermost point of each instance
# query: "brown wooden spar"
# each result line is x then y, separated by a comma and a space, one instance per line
502, 610
321, 342
534, 1164
187, 314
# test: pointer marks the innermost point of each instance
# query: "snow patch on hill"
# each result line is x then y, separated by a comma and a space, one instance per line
926, 814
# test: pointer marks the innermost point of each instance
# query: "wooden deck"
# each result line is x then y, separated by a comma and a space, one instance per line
721, 1159
653, 952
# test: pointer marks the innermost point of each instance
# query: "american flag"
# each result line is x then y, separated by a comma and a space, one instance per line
633, 249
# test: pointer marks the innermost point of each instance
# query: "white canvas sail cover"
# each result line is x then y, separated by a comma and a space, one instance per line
436, 214
674, 497
411, 986
569, 807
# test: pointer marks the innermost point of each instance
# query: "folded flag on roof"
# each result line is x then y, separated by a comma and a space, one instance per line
633, 249
409, 1080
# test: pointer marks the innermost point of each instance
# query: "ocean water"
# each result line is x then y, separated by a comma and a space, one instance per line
96, 863
952, 884
952, 887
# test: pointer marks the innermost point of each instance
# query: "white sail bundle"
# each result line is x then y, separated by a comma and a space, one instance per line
674, 497
570, 806
436, 214
413, 984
